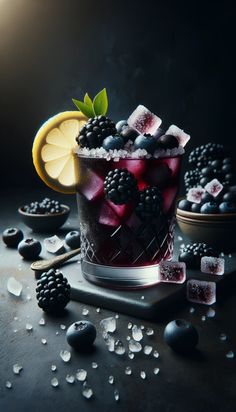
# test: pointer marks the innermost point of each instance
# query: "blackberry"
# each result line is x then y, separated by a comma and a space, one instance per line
149, 203
53, 291
192, 178
120, 186
93, 133
202, 156
46, 206
192, 253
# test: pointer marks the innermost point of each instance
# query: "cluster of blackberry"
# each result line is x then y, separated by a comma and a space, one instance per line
46, 206
120, 186
95, 131
53, 291
192, 253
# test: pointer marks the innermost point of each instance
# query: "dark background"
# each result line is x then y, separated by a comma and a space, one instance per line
174, 57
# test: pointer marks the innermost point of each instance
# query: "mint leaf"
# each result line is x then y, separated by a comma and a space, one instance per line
88, 100
84, 108
100, 103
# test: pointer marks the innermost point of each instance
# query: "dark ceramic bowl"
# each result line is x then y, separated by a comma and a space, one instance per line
218, 230
44, 223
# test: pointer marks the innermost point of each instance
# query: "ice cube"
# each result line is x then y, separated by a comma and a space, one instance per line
158, 175
230, 355
214, 187
17, 369
14, 287
111, 379
108, 324
81, 375
29, 327
92, 186
129, 326
172, 272
54, 382
147, 349
110, 341
143, 120
122, 211
53, 368
134, 346
116, 395
107, 215
149, 332
119, 347
54, 244
212, 265
94, 365
131, 355
211, 313
63, 327
223, 337
128, 370
8, 385
70, 379
168, 196
44, 341
85, 311
143, 374
65, 355
195, 194
156, 354
156, 371
182, 137
87, 392
137, 333
135, 166
200, 291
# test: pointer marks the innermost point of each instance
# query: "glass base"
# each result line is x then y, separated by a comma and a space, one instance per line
118, 277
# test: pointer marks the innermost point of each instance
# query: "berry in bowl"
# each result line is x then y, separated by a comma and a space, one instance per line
45, 216
208, 213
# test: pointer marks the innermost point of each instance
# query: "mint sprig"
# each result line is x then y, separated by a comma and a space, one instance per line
91, 108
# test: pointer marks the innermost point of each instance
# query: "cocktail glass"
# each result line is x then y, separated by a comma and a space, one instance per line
118, 249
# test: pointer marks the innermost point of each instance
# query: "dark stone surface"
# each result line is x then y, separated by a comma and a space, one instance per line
204, 381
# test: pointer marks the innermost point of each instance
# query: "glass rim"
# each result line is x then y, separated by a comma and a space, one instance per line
80, 155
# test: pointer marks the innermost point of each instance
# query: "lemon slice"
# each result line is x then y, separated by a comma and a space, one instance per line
53, 151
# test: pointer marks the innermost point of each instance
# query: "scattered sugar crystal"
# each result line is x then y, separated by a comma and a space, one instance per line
137, 333
116, 395
15, 330
147, 349
182, 137
54, 382
110, 341
28, 297
53, 368
180, 238
128, 338
14, 287
142, 297
87, 391
229, 255
81, 375
214, 187
230, 355
222, 254
156, 354
212, 265
203, 318
211, 313
199, 291
172, 272
15, 318
54, 244
117, 316
223, 337
28, 327
63, 327
134, 346
191, 310
143, 374
70, 378
111, 379
142, 327
8, 385
19, 267
98, 310
44, 341
195, 194
156, 371
17, 369
57, 333
94, 365
42, 322
119, 347
85, 312
129, 325
149, 332
108, 324
65, 355
131, 355
128, 370
143, 120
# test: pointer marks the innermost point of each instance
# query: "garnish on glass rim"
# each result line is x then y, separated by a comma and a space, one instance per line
96, 107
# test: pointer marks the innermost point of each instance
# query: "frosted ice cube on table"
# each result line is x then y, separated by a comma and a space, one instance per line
108, 324
54, 244
14, 287
212, 265
181, 136
200, 291
172, 272
214, 187
143, 120
195, 194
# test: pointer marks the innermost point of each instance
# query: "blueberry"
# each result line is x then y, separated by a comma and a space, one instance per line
121, 125
207, 171
227, 207
209, 207
146, 142
195, 207
181, 335
229, 197
227, 160
30, 249
128, 133
227, 168
72, 239
204, 181
81, 334
184, 204
113, 142
12, 236
206, 198
167, 141
216, 164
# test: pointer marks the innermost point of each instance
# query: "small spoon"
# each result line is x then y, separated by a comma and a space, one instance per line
41, 265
